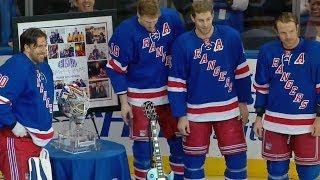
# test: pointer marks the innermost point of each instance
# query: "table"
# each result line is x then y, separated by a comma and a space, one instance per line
109, 163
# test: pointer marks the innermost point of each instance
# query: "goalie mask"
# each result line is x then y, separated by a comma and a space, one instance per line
73, 102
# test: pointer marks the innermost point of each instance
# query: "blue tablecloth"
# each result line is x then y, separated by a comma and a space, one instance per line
110, 162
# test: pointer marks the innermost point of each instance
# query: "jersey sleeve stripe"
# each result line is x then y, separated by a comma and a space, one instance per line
176, 84
175, 89
115, 65
173, 79
242, 65
121, 92
242, 70
41, 138
240, 76
263, 89
4, 100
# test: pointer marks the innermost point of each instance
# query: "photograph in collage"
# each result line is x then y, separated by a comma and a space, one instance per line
80, 49
66, 50
95, 34
96, 70
53, 52
97, 51
99, 89
75, 34
56, 35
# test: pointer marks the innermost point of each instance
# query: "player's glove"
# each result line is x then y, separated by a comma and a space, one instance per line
19, 130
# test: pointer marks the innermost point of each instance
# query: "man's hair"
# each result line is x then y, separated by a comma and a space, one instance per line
30, 36
286, 17
201, 6
148, 8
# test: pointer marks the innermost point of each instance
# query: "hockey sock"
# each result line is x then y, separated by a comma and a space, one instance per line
142, 158
194, 166
311, 172
236, 166
176, 157
278, 170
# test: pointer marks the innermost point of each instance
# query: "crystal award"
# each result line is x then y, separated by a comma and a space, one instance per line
74, 103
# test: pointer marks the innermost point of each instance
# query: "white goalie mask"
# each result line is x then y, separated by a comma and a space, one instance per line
73, 102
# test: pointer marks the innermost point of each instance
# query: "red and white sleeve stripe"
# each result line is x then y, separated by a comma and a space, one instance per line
116, 66
242, 71
40, 138
263, 89
176, 85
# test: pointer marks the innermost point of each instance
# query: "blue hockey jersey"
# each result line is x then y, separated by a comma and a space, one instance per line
287, 84
208, 77
140, 59
26, 96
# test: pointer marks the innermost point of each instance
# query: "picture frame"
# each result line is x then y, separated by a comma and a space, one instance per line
77, 52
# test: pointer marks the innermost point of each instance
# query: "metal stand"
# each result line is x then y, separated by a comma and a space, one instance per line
94, 124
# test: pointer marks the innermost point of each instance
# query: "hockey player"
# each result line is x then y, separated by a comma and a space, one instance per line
226, 12
138, 69
287, 84
26, 97
209, 87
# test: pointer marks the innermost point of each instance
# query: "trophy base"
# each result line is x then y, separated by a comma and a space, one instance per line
76, 141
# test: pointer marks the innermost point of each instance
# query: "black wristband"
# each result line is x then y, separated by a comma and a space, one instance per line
260, 111
318, 110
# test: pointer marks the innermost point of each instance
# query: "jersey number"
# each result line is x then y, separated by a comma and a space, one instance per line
3, 81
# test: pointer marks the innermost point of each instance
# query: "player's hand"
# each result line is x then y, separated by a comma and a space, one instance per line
316, 127
183, 126
257, 128
126, 113
19, 130
244, 113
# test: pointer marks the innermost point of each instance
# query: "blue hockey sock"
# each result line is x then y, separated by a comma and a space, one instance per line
194, 166
176, 157
311, 172
236, 166
278, 170
141, 153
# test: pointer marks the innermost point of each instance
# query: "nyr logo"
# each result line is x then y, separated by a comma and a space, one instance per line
155, 36
208, 45
67, 63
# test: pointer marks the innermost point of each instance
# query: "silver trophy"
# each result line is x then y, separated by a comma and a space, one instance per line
74, 103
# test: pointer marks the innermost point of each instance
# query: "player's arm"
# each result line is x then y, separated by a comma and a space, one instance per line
261, 85
121, 51
126, 110
242, 73
12, 84
242, 80
177, 86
